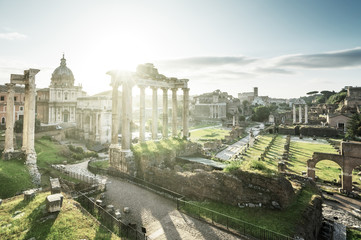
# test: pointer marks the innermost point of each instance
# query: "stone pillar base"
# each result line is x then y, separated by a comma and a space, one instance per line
33, 168
122, 160
16, 154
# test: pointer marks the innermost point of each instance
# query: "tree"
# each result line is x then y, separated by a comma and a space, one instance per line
261, 113
18, 128
312, 93
336, 98
354, 126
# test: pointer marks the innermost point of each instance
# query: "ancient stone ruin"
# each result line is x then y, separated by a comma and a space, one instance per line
27, 79
121, 157
349, 158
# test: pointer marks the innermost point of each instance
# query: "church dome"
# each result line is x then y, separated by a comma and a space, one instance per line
62, 75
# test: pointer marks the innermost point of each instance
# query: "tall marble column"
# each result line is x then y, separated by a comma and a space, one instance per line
306, 114
126, 97
185, 112
155, 113
115, 115
294, 113
96, 127
174, 112
300, 113
142, 114
31, 112
9, 132
26, 119
165, 112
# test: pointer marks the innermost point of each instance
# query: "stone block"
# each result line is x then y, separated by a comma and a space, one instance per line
110, 209
126, 210
117, 214
54, 203
55, 185
29, 194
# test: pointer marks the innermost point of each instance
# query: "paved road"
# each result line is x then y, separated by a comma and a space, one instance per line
233, 149
157, 214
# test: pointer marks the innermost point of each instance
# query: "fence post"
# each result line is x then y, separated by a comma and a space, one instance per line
227, 222
212, 217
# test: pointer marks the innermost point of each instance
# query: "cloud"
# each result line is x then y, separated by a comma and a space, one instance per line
340, 59
205, 62
271, 70
12, 36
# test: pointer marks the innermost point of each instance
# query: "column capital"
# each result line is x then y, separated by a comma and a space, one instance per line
10, 85
185, 89
165, 89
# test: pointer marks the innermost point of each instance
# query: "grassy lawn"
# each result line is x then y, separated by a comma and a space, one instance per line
284, 222
48, 153
209, 134
269, 165
100, 164
203, 125
14, 178
70, 223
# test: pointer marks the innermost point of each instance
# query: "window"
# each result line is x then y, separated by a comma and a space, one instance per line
2, 121
15, 99
66, 96
2, 98
21, 108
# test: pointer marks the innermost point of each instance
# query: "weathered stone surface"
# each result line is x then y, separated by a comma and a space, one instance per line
310, 221
117, 214
55, 185
29, 194
216, 185
54, 203
126, 210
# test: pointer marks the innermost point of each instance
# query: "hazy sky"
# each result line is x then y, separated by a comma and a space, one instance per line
285, 47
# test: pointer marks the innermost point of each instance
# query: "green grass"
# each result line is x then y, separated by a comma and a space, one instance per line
269, 165
353, 234
152, 148
100, 164
284, 221
203, 125
48, 153
209, 134
14, 178
70, 223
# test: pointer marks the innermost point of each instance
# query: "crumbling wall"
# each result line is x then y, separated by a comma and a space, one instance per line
240, 188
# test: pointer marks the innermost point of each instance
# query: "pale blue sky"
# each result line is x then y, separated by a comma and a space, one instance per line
286, 48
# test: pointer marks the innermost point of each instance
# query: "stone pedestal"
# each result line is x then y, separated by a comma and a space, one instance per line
122, 161
29, 195
54, 203
55, 185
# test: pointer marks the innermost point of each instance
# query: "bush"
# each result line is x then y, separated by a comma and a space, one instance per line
75, 149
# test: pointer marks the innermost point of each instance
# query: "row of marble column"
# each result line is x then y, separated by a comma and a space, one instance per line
127, 113
29, 114
300, 114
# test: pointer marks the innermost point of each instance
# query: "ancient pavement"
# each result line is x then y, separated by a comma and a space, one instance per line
158, 215
233, 149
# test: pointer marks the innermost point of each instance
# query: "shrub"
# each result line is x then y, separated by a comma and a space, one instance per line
258, 165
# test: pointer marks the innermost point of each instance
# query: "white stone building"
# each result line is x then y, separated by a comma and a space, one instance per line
63, 95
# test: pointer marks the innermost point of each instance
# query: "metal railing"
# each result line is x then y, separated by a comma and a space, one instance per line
111, 223
228, 223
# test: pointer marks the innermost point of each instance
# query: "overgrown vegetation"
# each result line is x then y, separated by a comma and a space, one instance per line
284, 222
104, 164
354, 127
353, 234
70, 223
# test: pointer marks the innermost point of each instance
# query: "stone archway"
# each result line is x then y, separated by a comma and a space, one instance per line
348, 160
